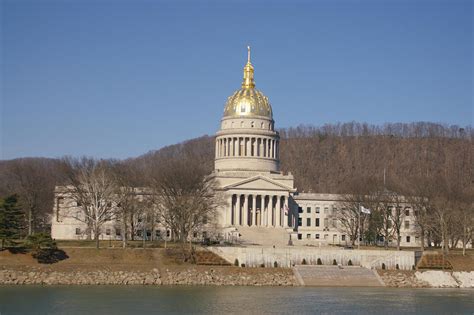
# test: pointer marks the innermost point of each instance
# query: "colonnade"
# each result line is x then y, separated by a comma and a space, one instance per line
257, 210
247, 146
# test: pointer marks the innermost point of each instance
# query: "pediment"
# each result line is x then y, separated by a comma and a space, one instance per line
259, 183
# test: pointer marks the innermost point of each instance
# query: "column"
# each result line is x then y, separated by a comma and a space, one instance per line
271, 148
237, 212
228, 212
254, 211
249, 147
286, 208
217, 150
269, 211
245, 211
278, 212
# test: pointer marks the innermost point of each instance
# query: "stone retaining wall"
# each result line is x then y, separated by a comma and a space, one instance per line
288, 256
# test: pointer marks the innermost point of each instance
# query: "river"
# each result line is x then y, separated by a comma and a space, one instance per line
231, 300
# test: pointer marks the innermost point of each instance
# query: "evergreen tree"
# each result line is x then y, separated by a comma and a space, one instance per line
11, 216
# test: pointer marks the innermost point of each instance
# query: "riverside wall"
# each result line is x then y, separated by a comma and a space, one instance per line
288, 256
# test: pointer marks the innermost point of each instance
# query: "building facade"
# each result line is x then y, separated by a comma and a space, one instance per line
262, 205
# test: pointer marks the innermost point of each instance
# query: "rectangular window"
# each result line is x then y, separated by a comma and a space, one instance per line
317, 236
107, 231
317, 221
158, 233
326, 236
308, 236
195, 234
407, 212
168, 233
308, 209
326, 210
300, 236
334, 223
408, 239
300, 210
317, 209
300, 223
148, 233
343, 237
78, 231
407, 224
308, 222
118, 232
326, 222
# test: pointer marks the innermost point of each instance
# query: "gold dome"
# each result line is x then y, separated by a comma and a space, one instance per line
248, 101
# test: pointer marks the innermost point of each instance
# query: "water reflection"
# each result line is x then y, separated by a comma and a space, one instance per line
232, 300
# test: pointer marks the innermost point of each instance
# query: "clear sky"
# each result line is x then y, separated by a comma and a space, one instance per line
119, 78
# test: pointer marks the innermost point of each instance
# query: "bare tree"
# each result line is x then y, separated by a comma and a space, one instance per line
33, 180
186, 197
92, 186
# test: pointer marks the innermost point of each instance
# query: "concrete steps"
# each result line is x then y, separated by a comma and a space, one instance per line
434, 261
337, 276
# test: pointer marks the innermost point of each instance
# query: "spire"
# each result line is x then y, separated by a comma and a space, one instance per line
248, 82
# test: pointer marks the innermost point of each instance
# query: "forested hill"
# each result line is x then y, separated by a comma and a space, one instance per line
327, 159
330, 158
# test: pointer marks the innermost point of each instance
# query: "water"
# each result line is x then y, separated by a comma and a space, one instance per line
231, 300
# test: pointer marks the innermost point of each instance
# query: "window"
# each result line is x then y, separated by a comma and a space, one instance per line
204, 234
343, 237
195, 234
300, 210
326, 236
252, 124
78, 231
407, 212
148, 233
242, 108
334, 223
107, 231
407, 224
300, 236
334, 209
308, 236
118, 232
317, 236
168, 233
300, 223
317, 221
317, 209
158, 233
408, 239
308, 222
308, 209
326, 210
326, 222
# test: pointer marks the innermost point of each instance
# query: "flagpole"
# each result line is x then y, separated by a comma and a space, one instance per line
358, 234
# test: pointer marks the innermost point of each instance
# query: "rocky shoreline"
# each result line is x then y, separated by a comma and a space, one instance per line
221, 277
189, 276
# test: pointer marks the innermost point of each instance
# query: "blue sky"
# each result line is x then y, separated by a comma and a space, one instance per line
119, 78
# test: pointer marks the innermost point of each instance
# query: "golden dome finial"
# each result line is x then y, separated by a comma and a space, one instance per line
248, 82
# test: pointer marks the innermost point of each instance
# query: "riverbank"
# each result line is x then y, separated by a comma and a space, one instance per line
86, 266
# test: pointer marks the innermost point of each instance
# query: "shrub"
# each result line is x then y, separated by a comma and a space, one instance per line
242, 265
303, 262
397, 267
383, 266
349, 263
236, 262
39, 241
334, 262
275, 264
262, 265
319, 261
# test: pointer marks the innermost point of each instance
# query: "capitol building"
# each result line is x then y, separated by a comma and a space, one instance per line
262, 205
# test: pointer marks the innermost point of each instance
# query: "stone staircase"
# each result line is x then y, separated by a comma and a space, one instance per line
205, 257
434, 261
265, 236
337, 276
